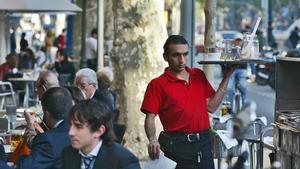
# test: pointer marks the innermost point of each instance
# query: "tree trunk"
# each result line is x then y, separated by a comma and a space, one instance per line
108, 31
108, 21
173, 8
139, 34
210, 30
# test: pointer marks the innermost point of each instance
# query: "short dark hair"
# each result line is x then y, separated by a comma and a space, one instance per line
95, 114
30, 52
63, 53
11, 55
94, 31
174, 39
57, 101
75, 92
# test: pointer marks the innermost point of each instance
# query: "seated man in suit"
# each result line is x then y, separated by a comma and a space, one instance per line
45, 81
47, 147
3, 164
92, 139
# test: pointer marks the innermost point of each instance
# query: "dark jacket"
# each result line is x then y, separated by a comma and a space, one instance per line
109, 157
66, 72
107, 97
65, 67
46, 149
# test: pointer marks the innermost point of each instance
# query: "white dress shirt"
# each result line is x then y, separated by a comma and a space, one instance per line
94, 153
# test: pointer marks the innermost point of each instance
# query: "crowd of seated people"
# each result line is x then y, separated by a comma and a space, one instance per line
78, 123
79, 114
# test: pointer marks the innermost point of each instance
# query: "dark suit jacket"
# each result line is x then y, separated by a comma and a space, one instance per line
109, 157
97, 95
46, 149
3, 165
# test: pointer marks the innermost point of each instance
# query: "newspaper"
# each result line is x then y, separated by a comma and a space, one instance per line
226, 138
162, 163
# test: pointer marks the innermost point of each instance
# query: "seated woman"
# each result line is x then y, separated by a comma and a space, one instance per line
27, 59
10, 66
64, 68
9, 69
108, 96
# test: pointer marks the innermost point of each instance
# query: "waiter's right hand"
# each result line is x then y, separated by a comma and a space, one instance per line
154, 149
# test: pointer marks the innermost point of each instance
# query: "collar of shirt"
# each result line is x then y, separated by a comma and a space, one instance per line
94, 152
57, 123
93, 94
172, 78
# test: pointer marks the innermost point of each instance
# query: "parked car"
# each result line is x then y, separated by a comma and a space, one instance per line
284, 34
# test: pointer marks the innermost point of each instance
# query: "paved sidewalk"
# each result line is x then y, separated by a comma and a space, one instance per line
225, 166
266, 161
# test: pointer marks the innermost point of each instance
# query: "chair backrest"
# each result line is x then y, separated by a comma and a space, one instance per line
4, 125
6, 88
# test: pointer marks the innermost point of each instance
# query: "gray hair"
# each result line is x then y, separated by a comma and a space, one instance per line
89, 74
107, 71
48, 79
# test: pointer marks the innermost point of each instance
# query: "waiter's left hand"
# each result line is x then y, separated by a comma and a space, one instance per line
227, 70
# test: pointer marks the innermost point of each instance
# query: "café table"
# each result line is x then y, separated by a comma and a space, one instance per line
27, 80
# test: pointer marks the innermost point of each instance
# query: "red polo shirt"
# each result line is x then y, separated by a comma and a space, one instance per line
181, 106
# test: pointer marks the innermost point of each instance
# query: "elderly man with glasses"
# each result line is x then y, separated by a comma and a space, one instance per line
86, 80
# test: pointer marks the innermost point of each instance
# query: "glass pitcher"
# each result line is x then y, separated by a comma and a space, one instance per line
250, 47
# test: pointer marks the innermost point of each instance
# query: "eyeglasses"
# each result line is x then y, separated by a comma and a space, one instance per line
83, 86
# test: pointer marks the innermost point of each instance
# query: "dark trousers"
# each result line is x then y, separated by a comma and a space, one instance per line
193, 153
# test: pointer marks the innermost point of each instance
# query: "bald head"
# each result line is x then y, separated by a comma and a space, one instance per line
46, 81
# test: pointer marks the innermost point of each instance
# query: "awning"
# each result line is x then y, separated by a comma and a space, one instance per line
38, 6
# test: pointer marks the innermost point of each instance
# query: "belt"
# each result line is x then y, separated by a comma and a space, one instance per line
192, 137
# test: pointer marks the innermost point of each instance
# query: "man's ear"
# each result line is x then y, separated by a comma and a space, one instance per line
165, 57
100, 131
47, 117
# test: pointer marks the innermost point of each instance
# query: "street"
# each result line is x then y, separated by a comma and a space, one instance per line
264, 96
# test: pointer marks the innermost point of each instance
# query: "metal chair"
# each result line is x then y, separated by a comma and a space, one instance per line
252, 137
264, 144
6, 90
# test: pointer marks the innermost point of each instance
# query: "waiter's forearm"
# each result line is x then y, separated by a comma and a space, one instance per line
150, 127
214, 101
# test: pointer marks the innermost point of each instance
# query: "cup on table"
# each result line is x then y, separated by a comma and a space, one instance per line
11, 112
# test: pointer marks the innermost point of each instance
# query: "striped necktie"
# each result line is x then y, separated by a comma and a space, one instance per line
88, 161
